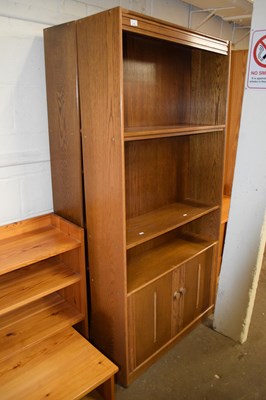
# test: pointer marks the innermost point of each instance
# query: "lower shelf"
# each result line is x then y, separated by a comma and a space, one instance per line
32, 323
64, 366
142, 269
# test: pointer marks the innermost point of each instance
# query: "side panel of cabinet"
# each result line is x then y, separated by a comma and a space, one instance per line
150, 319
100, 73
237, 85
60, 44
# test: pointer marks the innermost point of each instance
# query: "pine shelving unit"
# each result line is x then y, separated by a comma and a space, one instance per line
42, 296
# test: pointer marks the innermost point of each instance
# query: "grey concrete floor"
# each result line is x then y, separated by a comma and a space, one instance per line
208, 366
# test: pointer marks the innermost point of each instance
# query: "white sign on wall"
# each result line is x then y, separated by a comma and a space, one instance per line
256, 77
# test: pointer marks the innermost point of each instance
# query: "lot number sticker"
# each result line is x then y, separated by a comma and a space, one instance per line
256, 78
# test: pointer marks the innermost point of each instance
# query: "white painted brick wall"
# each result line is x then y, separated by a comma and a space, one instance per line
25, 182
25, 191
10, 209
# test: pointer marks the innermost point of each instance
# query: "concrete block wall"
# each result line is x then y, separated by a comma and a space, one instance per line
25, 182
25, 176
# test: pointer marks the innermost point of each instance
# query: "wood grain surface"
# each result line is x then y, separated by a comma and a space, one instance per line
64, 366
28, 248
60, 45
34, 322
33, 282
162, 220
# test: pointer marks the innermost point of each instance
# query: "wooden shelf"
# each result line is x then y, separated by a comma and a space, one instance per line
155, 223
150, 132
30, 283
34, 322
63, 366
152, 264
42, 295
33, 246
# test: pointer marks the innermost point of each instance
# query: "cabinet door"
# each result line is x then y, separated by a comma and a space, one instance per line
149, 319
191, 290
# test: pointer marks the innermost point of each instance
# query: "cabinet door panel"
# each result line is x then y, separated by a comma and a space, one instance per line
191, 289
150, 318
206, 262
197, 286
178, 283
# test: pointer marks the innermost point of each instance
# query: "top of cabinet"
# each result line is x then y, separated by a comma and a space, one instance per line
132, 21
149, 26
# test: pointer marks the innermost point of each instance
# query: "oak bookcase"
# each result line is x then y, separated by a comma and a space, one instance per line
137, 113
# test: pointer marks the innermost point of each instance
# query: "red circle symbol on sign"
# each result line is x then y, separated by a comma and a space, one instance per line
259, 52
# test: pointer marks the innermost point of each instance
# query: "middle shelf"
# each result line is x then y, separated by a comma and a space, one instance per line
150, 132
164, 219
30, 283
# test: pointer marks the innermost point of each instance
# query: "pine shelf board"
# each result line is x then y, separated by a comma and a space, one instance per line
31, 247
28, 284
64, 366
155, 223
150, 132
32, 323
154, 263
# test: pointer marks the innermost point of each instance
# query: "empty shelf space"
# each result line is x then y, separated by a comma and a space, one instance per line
34, 322
33, 246
30, 283
149, 132
153, 263
63, 366
157, 222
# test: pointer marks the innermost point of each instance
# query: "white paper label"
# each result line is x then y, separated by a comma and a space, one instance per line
133, 22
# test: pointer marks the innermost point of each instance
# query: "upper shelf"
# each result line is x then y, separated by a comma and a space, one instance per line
27, 248
155, 223
150, 132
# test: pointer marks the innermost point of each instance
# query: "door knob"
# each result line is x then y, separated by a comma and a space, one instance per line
179, 293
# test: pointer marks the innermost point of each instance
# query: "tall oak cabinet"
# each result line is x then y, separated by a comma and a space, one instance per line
137, 113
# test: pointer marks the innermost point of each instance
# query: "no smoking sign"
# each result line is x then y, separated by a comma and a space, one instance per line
259, 52
256, 78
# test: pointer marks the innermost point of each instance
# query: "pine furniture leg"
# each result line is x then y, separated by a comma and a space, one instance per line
107, 389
